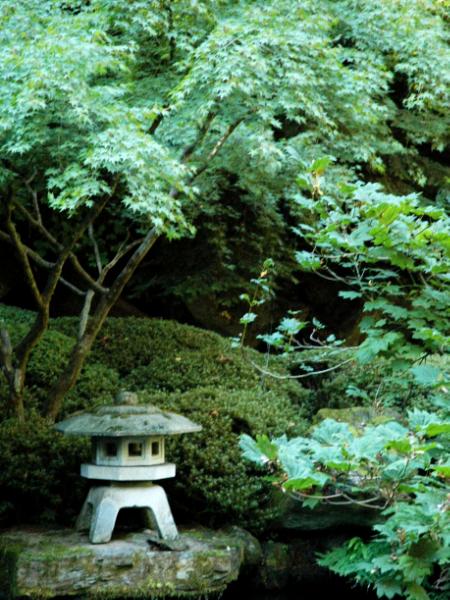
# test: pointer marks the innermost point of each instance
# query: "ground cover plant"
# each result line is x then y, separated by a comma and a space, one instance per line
400, 470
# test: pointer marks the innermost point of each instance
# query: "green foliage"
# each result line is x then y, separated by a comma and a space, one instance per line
161, 355
175, 366
409, 555
146, 354
64, 114
390, 257
398, 469
85, 85
392, 254
375, 385
97, 382
210, 470
39, 473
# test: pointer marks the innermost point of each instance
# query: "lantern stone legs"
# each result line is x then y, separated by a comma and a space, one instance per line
103, 503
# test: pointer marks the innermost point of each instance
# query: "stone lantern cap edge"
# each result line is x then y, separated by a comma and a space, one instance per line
126, 421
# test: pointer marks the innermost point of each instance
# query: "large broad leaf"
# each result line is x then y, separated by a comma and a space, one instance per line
416, 592
426, 375
297, 467
388, 587
331, 431
443, 470
435, 429
305, 483
319, 166
251, 450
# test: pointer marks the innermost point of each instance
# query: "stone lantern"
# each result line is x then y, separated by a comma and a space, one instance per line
127, 457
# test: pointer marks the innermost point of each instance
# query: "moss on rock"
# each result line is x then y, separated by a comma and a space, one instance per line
48, 564
357, 416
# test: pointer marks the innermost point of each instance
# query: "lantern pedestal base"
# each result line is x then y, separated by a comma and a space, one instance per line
102, 505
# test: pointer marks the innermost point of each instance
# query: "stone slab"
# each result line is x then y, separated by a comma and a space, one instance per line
51, 563
128, 473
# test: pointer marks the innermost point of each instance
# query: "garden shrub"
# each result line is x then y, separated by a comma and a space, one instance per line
97, 384
15, 315
167, 356
211, 473
356, 384
177, 367
401, 471
39, 473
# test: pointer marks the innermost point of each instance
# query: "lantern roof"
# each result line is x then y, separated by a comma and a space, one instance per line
126, 418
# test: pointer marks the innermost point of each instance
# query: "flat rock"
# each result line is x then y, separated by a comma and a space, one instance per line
50, 563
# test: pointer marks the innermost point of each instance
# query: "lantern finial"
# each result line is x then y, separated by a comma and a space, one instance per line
125, 397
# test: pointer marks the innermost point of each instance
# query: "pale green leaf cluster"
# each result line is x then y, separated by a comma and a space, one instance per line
400, 470
392, 254
83, 82
65, 115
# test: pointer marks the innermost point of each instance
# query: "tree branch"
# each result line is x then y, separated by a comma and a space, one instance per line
59, 247
76, 290
98, 259
46, 264
23, 256
201, 134
23, 349
34, 197
218, 146
84, 343
303, 375
90, 330
6, 353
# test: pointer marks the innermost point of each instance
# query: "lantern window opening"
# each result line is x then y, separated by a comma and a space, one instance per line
110, 449
156, 450
135, 449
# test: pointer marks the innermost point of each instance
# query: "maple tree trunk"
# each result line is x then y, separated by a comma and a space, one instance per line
81, 349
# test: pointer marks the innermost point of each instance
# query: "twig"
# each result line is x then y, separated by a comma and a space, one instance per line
34, 196
72, 287
46, 264
218, 146
51, 238
98, 259
122, 251
84, 316
303, 375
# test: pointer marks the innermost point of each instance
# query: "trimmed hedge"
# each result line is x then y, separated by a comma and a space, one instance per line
187, 370
167, 356
211, 472
39, 473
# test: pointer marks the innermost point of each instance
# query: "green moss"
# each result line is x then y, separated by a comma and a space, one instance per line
357, 416
51, 552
